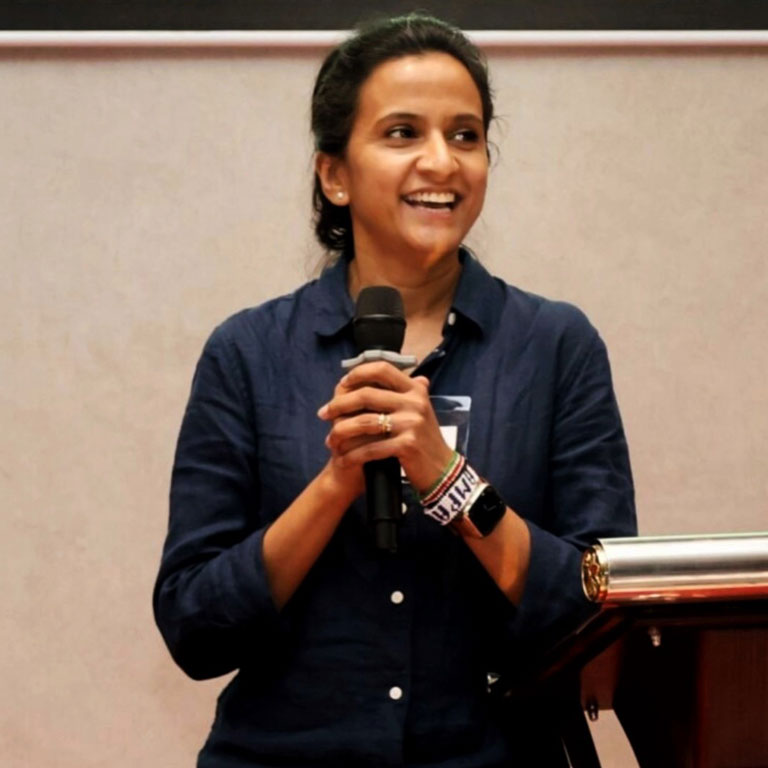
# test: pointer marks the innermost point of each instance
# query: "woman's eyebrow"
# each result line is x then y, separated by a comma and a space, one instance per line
398, 116
462, 117
467, 117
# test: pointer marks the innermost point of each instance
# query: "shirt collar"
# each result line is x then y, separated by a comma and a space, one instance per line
478, 296
333, 304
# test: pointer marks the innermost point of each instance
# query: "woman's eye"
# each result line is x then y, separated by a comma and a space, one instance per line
466, 135
401, 132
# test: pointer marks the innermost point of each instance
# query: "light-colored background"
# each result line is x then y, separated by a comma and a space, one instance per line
146, 196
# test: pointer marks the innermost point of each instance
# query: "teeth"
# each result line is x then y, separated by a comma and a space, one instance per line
441, 198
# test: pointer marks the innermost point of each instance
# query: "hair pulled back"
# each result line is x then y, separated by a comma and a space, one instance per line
337, 88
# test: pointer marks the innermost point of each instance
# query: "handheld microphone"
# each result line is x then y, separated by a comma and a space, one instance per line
379, 324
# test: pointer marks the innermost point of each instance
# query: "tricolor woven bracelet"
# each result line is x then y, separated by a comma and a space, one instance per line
450, 473
451, 496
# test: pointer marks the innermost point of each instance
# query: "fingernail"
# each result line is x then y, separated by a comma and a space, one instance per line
323, 412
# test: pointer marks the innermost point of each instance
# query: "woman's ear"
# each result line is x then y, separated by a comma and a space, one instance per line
330, 171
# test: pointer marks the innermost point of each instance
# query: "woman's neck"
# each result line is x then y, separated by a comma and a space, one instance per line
427, 291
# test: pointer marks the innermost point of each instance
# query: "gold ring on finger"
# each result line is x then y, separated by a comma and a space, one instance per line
385, 423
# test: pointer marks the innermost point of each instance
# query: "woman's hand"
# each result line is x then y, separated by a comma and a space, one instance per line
357, 435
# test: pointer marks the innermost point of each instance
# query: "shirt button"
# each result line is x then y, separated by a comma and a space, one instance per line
395, 693
403, 507
397, 597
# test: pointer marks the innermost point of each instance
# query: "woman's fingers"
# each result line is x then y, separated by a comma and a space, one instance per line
361, 450
368, 426
379, 374
374, 387
364, 399
377, 412
343, 449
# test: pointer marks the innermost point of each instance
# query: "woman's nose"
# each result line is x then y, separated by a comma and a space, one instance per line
436, 156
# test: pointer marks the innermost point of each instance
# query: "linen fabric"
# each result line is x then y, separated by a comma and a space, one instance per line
380, 659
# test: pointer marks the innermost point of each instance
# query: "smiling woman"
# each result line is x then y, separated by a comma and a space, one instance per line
348, 655
415, 168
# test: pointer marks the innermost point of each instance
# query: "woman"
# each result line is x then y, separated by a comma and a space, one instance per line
346, 655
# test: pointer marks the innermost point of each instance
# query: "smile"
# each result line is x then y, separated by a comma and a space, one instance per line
433, 200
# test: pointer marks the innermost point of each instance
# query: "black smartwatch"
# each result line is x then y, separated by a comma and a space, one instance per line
481, 514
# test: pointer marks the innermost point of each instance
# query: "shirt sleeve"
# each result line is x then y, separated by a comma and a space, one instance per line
211, 600
590, 493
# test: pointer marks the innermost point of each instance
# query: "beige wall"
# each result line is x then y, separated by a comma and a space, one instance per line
145, 197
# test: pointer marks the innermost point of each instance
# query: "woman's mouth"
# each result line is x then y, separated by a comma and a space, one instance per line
433, 200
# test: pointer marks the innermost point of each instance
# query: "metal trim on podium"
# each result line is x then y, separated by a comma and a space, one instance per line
678, 649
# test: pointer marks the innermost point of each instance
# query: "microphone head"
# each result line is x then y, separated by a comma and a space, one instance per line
379, 319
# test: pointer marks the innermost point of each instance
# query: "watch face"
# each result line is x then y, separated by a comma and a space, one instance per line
487, 510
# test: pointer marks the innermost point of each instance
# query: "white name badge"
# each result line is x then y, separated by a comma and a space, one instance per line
452, 413
450, 434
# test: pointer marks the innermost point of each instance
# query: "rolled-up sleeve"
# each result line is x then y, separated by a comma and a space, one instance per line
211, 599
590, 492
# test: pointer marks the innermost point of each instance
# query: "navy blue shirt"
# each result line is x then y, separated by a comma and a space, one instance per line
382, 659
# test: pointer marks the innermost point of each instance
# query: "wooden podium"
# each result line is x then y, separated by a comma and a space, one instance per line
687, 679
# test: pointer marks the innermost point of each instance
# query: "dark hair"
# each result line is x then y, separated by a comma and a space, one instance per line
342, 74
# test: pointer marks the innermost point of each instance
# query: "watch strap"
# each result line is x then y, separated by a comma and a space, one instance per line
482, 513
464, 500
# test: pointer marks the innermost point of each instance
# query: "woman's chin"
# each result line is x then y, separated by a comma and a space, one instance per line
431, 241
417, 249
431, 251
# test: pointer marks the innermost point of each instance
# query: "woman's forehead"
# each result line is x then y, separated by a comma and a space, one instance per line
417, 82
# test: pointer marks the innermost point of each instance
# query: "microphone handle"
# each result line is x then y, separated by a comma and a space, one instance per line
384, 499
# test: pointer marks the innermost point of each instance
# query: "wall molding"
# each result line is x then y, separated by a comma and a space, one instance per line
298, 39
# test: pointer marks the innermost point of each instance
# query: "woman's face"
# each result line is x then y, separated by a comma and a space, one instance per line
416, 166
